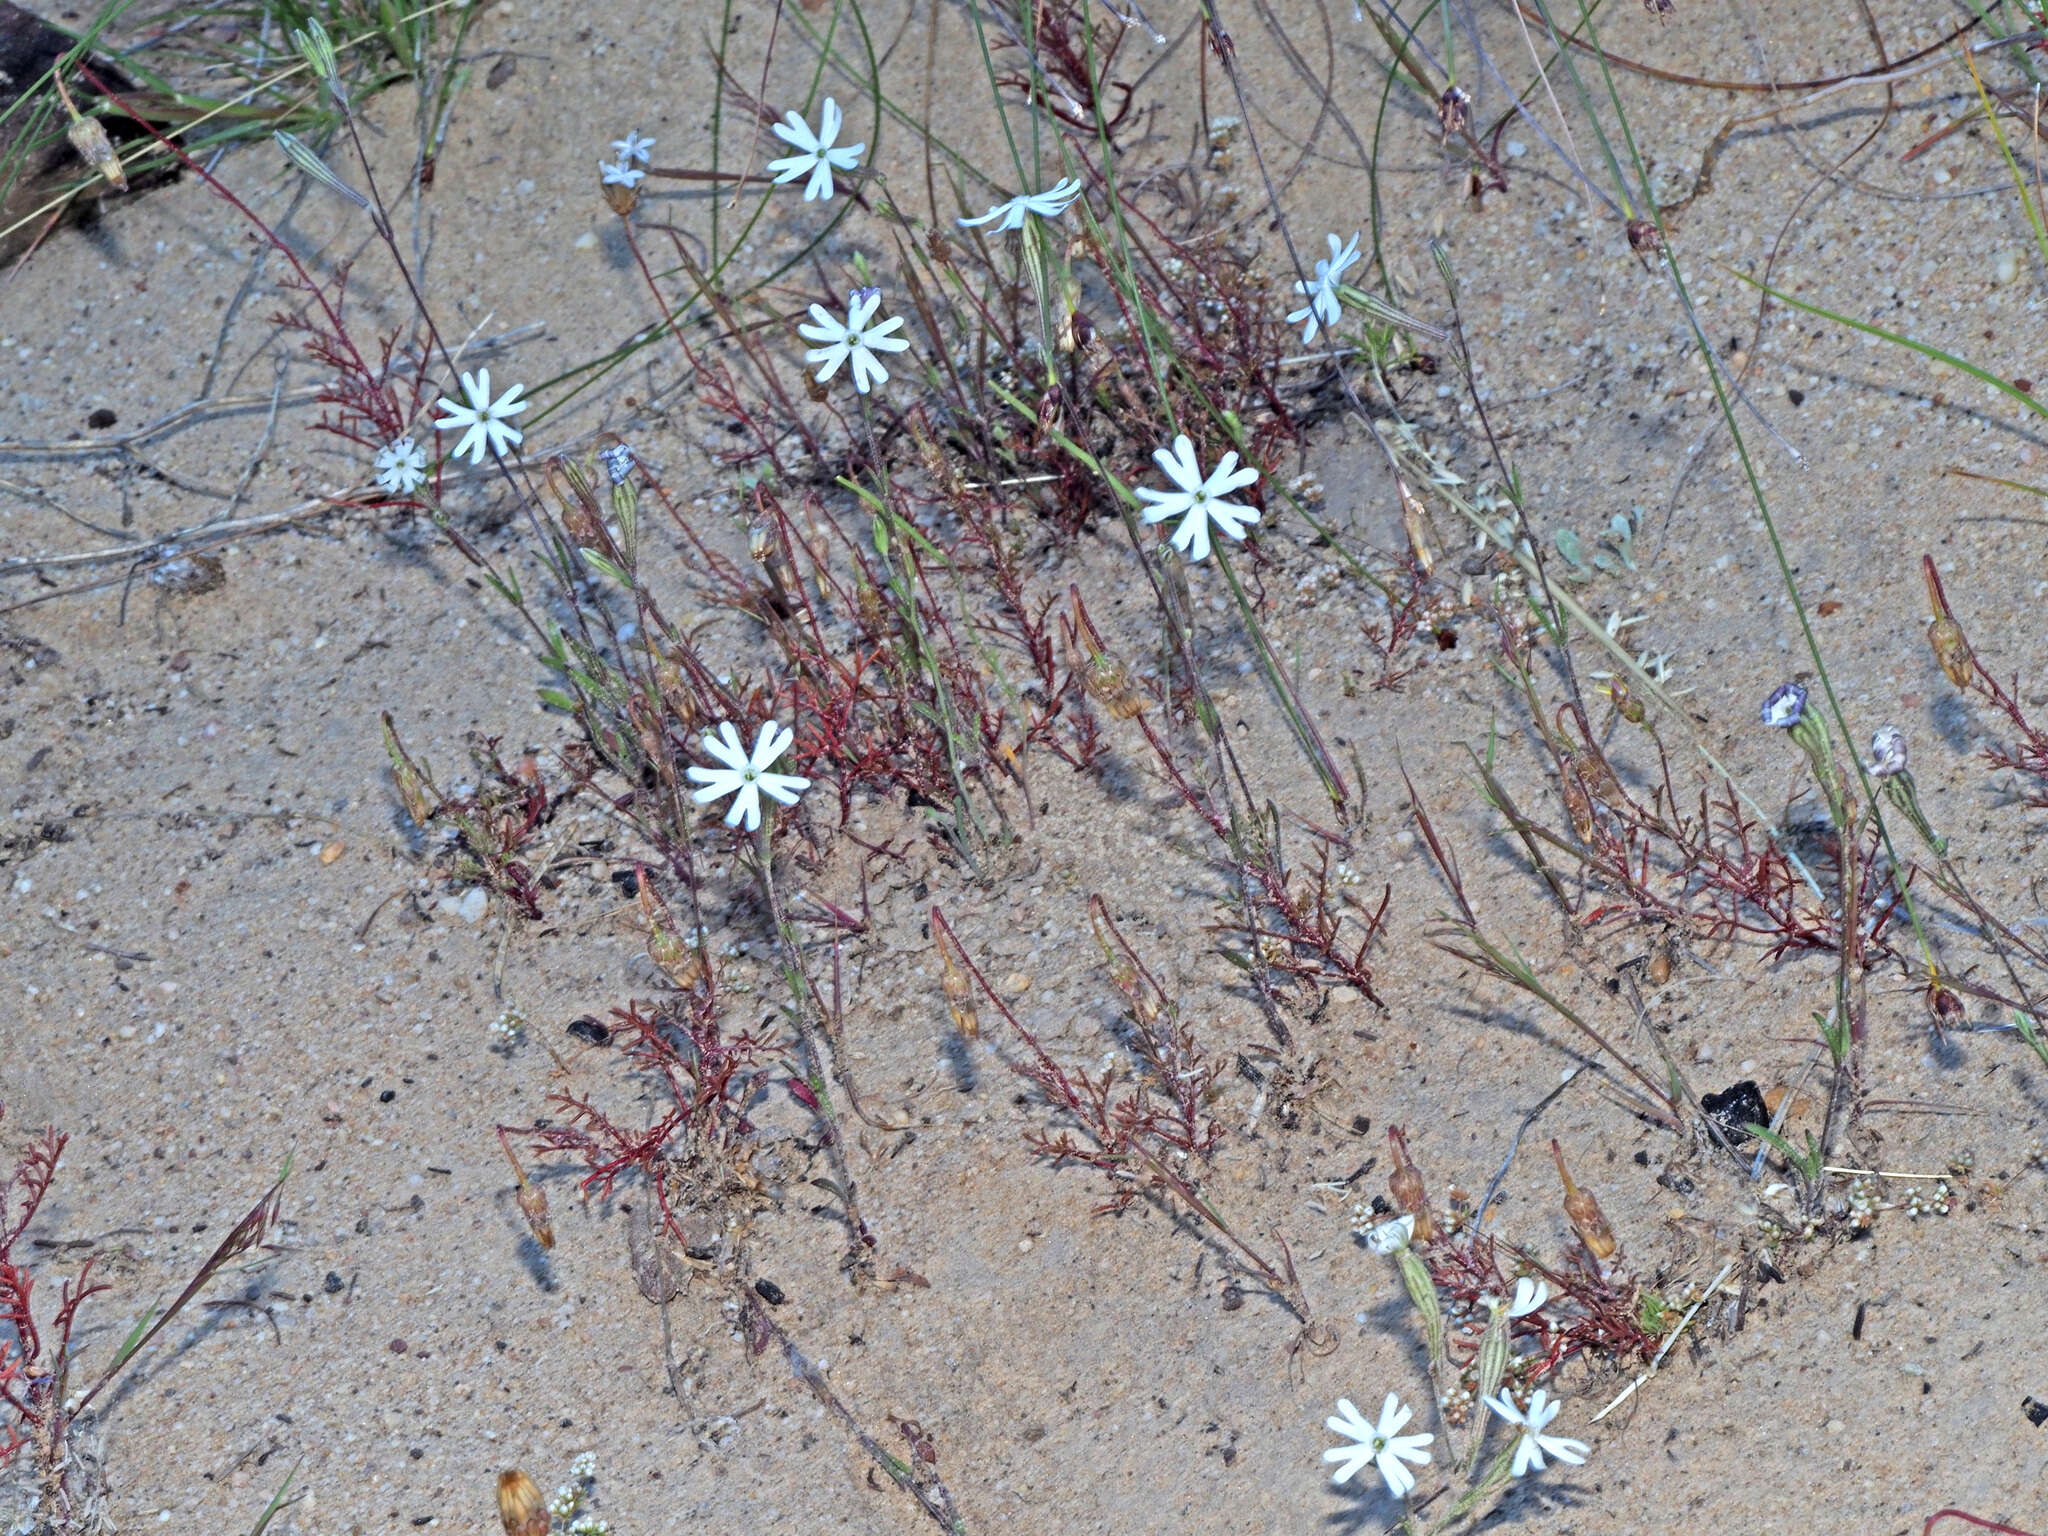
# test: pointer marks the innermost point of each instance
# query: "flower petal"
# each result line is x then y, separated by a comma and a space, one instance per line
770, 742
794, 130
783, 786
831, 357
828, 124
1178, 463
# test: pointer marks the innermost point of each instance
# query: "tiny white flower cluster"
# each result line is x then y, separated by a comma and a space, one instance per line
589, 1525
632, 153
584, 1467
1932, 1202
563, 1502
1862, 1212
506, 1028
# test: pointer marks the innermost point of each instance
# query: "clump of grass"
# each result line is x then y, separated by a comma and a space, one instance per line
44, 1416
210, 74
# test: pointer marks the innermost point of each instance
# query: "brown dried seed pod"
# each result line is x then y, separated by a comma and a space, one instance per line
1945, 1007
521, 1509
89, 137
1600, 780
1951, 650
1415, 522
1626, 704
1945, 635
533, 1200
1578, 805
1584, 1212
1410, 1196
959, 990
1658, 970
1110, 684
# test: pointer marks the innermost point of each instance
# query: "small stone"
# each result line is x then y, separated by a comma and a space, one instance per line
2006, 267
1024, 1245
1517, 149
332, 851
1016, 984
471, 908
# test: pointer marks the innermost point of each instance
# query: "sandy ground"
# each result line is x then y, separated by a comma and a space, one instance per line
218, 949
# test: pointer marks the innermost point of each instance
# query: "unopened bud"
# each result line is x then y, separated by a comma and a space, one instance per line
301, 155
1887, 752
317, 49
1422, 1291
1490, 1365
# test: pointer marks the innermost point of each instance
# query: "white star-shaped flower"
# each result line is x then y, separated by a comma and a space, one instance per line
1322, 308
401, 467
622, 174
817, 153
1198, 502
1529, 1296
744, 777
1381, 1443
483, 419
1049, 204
1390, 1237
1534, 1444
855, 339
632, 148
